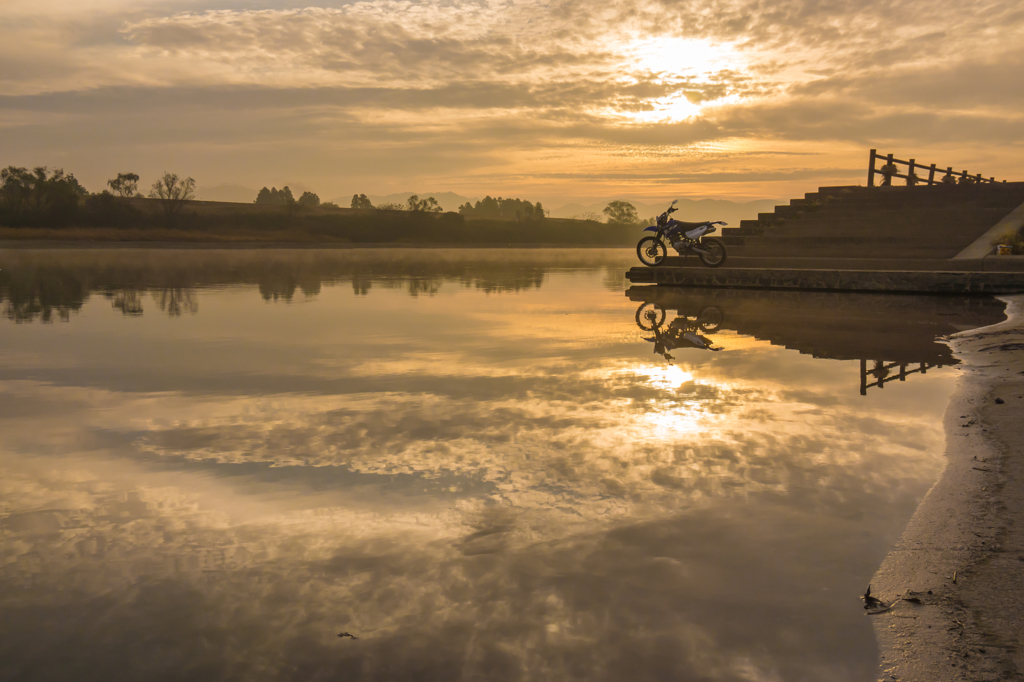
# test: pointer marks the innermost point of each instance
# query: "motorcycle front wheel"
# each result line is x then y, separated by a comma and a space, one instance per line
650, 316
651, 251
714, 252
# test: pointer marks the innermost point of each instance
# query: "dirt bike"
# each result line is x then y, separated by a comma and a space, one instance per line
685, 238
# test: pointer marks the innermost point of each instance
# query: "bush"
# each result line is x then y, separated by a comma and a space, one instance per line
107, 210
1013, 239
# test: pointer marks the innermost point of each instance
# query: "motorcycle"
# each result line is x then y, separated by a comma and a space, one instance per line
686, 238
682, 332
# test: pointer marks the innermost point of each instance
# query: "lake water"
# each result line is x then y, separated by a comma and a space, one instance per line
481, 464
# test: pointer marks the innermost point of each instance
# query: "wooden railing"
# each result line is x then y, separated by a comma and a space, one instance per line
882, 373
891, 169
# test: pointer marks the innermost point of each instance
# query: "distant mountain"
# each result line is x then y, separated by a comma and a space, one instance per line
690, 210
236, 193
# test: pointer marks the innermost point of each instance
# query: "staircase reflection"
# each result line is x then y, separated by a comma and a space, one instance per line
892, 335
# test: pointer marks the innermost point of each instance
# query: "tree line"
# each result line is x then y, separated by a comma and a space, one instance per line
41, 197
44, 198
284, 197
413, 203
503, 209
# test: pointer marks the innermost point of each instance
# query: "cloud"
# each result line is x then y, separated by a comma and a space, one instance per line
521, 91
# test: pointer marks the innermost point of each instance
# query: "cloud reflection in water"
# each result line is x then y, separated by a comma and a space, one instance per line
478, 486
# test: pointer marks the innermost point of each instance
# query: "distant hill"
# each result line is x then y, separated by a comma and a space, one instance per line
690, 210
449, 201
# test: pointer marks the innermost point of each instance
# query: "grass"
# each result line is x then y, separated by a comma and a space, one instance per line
113, 234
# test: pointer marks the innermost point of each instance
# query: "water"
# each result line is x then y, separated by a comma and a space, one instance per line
213, 462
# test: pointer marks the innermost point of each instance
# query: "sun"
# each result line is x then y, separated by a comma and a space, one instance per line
677, 62
674, 58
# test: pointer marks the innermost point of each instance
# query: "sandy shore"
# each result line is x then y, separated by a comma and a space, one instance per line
960, 563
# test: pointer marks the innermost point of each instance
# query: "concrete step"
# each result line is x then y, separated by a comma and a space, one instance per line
990, 264
867, 248
930, 196
912, 227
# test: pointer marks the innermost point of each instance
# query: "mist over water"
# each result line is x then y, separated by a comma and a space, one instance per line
213, 462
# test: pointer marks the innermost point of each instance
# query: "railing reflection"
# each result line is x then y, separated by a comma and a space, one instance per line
882, 370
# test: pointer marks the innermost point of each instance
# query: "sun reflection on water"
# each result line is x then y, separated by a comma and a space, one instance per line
669, 376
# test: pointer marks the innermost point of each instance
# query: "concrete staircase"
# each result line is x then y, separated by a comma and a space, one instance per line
889, 226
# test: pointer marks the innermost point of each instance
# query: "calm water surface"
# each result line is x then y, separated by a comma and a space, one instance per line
475, 462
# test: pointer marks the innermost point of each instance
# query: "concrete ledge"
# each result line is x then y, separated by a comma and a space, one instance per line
989, 263
934, 282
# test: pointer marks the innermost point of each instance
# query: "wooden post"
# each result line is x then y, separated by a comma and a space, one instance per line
903, 372
910, 174
980, 179
871, 169
965, 175
887, 179
931, 175
864, 372
992, 179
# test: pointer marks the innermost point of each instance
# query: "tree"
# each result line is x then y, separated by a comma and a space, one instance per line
388, 206
15, 188
428, 205
360, 201
309, 200
173, 192
277, 197
621, 213
124, 185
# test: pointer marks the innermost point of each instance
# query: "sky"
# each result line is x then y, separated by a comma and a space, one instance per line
552, 100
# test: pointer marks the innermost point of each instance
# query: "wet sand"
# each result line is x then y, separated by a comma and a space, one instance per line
960, 562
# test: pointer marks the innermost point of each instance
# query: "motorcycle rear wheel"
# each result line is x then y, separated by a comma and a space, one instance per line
715, 252
651, 251
710, 319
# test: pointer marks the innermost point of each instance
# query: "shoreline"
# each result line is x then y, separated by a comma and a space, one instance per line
961, 557
14, 244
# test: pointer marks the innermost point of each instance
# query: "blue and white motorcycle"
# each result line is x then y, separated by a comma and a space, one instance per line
685, 238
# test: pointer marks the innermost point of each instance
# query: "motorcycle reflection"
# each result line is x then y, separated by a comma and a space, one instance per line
682, 332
